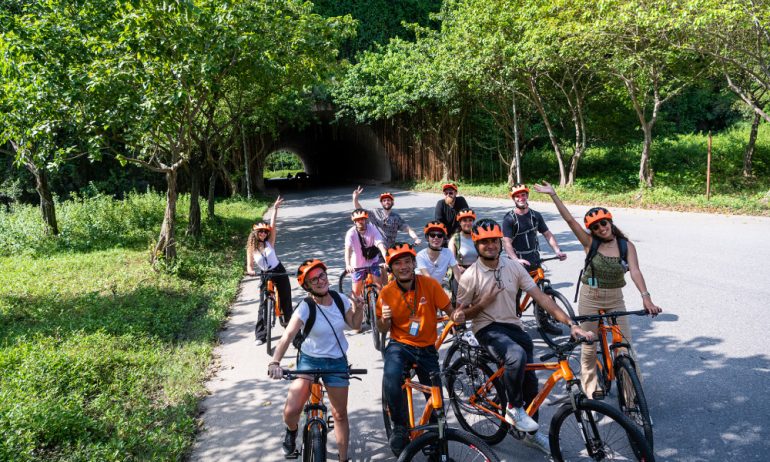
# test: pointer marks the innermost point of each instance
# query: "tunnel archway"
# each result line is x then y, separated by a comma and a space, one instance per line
332, 152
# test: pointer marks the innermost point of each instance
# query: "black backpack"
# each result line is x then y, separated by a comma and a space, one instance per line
311, 304
622, 246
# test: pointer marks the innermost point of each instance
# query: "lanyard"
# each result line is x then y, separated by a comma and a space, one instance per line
413, 306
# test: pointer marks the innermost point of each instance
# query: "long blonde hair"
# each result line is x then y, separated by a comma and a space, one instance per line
252, 244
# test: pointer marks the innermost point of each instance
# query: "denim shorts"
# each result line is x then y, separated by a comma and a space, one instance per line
360, 275
332, 364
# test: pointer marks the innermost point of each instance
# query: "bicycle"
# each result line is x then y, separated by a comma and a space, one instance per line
542, 317
615, 363
371, 293
318, 421
435, 441
581, 429
270, 306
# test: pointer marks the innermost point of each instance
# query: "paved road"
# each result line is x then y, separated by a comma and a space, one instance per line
705, 363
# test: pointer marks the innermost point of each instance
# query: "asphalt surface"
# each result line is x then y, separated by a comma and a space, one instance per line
705, 360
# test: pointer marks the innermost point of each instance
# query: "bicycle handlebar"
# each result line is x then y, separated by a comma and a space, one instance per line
548, 259
289, 374
613, 315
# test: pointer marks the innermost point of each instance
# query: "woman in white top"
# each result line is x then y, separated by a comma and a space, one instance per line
436, 259
324, 347
261, 256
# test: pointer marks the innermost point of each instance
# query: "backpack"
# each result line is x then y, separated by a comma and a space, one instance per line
535, 222
313, 307
622, 246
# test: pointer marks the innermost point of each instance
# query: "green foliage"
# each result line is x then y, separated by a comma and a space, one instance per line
101, 357
283, 160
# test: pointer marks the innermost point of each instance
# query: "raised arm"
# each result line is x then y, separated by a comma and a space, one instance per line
357, 192
273, 219
577, 230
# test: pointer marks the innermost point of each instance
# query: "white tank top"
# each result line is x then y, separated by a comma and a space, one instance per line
266, 259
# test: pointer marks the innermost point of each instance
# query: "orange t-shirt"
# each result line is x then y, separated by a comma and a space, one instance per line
414, 306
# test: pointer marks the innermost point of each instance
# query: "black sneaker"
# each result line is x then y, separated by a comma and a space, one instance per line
290, 442
398, 440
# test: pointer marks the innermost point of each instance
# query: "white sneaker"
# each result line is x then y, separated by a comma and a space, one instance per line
538, 441
259, 342
519, 418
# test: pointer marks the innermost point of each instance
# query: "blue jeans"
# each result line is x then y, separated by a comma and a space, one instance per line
513, 347
399, 358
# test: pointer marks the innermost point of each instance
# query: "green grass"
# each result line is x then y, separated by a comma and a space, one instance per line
607, 175
281, 173
101, 357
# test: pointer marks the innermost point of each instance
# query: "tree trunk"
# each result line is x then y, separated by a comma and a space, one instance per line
645, 173
551, 135
194, 224
749, 153
516, 163
212, 188
47, 208
166, 245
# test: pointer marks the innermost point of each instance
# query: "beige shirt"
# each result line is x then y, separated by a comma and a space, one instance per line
479, 279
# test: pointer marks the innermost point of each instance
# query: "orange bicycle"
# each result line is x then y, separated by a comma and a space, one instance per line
435, 441
318, 421
371, 293
581, 429
547, 326
615, 361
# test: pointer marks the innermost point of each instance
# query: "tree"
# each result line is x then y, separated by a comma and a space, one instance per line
45, 112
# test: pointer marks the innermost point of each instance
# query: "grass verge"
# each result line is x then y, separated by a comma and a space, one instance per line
101, 357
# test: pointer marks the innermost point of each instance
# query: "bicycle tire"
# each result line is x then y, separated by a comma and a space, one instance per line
610, 436
344, 282
462, 446
466, 378
450, 357
317, 450
386, 416
269, 319
546, 319
631, 397
371, 303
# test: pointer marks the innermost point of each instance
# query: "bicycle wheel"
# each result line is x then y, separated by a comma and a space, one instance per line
609, 435
386, 416
345, 284
552, 331
468, 379
269, 318
316, 451
461, 447
451, 356
371, 303
631, 396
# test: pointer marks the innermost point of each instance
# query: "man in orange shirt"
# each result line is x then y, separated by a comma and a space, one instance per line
407, 308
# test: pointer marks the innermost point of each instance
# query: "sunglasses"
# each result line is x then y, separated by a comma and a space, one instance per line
599, 223
261, 231
449, 192
498, 278
441, 235
320, 277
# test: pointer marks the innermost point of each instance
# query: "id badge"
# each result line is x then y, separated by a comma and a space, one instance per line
592, 282
414, 327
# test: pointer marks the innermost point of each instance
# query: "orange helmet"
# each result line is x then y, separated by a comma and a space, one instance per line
434, 226
261, 226
399, 249
305, 268
446, 186
386, 195
486, 229
358, 214
596, 214
519, 188
466, 213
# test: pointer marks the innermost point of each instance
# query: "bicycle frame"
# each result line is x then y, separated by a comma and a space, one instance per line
538, 276
268, 290
434, 403
610, 349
